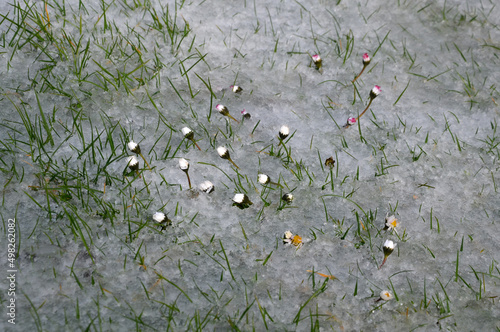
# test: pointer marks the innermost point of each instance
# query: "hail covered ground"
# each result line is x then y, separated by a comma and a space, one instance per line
293, 209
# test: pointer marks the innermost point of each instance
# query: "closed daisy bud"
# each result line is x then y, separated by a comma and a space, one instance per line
366, 62
245, 114
207, 186
162, 219
284, 132
287, 198
263, 179
134, 147
366, 59
133, 163
350, 122
224, 154
242, 201
317, 61
188, 133
235, 88
388, 249
385, 295
183, 164
224, 111
159, 217
375, 92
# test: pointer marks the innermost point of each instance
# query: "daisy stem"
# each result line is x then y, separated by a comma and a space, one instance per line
229, 115
276, 184
189, 180
369, 103
195, 144
383, 262
233, 163
361, 72
145, 160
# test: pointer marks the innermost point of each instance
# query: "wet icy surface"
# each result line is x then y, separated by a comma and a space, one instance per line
79, 85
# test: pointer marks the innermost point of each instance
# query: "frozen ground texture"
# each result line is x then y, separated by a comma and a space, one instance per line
81, 79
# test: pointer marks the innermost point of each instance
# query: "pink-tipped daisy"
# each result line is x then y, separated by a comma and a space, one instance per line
366, 59
245, 114
366, 62
317, 61
375, 92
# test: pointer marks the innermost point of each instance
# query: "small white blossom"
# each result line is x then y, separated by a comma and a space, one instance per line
223, 152
389, 245
159, 217
375, 92
235, 88
263, 179
239, 198
284, 132
187, 132
391, 223
207, 186
134, 147
183, 164
132, 162
287, 198
385, 295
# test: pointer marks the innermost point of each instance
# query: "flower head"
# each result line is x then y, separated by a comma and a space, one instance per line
245, 114
375, 92
242, 201
366, 59
183, 164
388, 249
133, 163
235, 88
222, 109
159, 217
263, 179
284, 132
162, 219
207, 186
223, 152
287, 198
188, 133
317, 61
290, 238
385, 295
134, 147
350, 122
391, 223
